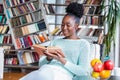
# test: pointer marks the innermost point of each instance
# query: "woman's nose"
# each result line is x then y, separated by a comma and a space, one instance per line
65, 27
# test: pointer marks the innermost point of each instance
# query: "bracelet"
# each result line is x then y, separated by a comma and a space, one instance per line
49, 58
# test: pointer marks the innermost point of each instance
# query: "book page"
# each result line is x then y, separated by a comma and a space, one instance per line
39, 49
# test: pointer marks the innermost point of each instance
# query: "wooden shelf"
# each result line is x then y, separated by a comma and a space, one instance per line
87, 5
3, 24
30, 33
91, 26
56, 14
53, 24
83, 15
2, 14
32, 50
26, 24
26, 13
5, 34
67, 4
21, 66
6, 44
55, 4
13, 6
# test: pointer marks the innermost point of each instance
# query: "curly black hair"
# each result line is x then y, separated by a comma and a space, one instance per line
75, 9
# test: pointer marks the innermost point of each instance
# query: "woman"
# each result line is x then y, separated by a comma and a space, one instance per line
75, 61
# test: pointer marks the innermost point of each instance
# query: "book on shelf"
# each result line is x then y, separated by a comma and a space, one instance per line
85, 31
3, 19
89, 32
55, 31
36, 17
29, 29
49, 8
91, 20
28, 41
10, 3
68, 2
97, 32
4, 29
1, 8
93, 2
11, 61
32, 7
27, 57
91, 10
6, 47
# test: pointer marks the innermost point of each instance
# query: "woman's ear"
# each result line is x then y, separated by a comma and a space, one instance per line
76, 27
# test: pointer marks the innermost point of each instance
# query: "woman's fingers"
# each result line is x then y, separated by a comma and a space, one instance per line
56, 51
60, 53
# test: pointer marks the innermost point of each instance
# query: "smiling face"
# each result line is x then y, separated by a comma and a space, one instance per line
69, 26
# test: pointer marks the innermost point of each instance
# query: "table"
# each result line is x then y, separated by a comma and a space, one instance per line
114, 78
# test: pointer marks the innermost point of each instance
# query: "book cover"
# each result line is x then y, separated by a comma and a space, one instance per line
18, 43
51, 10
41, 25
41, 38
28, 57
39, 49
36, 37
46, 8
26, 42
1, 39
1, 8
29, 40
22, 42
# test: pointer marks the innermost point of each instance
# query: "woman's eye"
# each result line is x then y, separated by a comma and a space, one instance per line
68, 25
62, 25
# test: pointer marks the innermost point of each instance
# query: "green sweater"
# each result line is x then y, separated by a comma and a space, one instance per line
77, 55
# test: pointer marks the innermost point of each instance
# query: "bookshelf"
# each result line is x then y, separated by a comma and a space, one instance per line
92, 20
26, 23
23, 59
5, 36
28, 27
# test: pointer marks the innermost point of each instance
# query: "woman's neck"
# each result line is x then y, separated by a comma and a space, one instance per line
71, 37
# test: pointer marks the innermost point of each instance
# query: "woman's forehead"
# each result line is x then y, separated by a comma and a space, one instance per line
68, 18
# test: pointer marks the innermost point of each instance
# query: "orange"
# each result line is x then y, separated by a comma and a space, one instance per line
105, 74
95, 74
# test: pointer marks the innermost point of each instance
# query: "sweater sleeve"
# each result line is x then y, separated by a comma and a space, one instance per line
43, 61
82, 68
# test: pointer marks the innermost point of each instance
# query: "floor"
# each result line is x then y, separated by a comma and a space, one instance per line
13, 75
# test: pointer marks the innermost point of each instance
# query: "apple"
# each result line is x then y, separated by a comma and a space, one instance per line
108, 65
98, 67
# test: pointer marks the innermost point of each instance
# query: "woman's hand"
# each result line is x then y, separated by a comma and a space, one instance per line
56, 53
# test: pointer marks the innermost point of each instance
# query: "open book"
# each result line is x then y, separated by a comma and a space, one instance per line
41, 50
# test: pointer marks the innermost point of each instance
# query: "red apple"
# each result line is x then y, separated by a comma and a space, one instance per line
98, 67
108, 65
